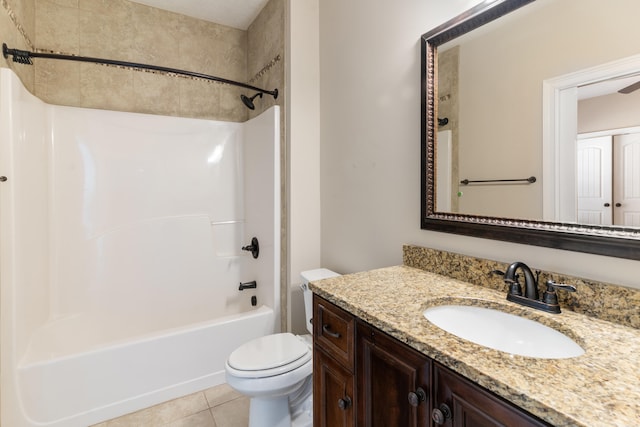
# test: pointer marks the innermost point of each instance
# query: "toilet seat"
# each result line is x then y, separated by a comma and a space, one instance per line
269, 356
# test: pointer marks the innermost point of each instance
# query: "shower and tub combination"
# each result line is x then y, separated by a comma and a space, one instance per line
121, 255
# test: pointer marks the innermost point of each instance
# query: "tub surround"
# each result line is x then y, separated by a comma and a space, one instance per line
98, 247
604, 301
598, 388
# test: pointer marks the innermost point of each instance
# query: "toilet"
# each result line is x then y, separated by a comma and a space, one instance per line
275, 371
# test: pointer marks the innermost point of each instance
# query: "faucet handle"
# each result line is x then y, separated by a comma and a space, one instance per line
550, 296
514, 286
551, 286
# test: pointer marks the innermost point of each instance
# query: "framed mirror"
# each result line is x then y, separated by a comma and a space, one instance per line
515, 94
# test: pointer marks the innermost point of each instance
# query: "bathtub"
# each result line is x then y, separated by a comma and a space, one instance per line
83, 387
121, 256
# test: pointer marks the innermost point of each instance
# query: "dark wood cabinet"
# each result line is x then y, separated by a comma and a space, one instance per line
334, 332
332, 393
363, 376
333, 360
392, 381
462, 403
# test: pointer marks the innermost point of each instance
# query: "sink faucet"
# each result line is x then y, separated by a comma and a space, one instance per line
530, 282
531, 297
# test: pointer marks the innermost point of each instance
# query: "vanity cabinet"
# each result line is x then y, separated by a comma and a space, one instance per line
333, 387
364, 377
392, 381
459, 402
333, 365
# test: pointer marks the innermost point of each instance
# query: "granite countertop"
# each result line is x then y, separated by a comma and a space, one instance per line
601, 387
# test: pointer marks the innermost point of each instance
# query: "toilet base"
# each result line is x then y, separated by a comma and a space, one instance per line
282, 411
304, 416
269, 412
275, 412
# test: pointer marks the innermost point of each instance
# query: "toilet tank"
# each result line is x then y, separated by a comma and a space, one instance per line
311, 276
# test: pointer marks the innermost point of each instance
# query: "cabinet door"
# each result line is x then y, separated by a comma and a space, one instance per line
392, 381
333, 396
469, 405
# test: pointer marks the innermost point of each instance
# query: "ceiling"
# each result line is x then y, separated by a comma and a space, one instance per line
233, 13
606, 87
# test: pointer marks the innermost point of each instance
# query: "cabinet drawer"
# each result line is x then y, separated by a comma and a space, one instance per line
333, 331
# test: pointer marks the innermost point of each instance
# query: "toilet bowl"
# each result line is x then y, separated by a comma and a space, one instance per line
275, 371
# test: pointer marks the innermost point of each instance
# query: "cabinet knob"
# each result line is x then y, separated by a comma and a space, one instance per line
344, 403
606, 205
415, 397
618, 205
441, 415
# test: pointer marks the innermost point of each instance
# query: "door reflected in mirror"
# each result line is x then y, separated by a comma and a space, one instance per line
608, 165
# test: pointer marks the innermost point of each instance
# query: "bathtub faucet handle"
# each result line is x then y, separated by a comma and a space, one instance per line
254, 247
248, 285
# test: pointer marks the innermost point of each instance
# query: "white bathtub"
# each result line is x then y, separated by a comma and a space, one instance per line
79, 388
120, 255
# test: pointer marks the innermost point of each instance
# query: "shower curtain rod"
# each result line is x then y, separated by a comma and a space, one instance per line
24, 57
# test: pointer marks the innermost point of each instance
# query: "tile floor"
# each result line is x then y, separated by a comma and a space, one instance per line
220, 406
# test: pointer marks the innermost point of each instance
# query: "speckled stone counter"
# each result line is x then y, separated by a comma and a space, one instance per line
604, 301
600, 388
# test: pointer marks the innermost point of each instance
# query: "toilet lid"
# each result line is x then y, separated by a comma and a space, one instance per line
268, 352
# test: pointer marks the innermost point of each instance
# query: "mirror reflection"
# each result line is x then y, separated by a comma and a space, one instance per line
572, 157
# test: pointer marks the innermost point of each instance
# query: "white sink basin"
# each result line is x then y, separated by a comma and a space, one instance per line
503, 331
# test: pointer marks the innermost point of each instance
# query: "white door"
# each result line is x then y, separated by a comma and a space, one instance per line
594, 181
626, 190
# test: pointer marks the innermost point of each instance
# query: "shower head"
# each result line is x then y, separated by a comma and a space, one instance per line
249, 101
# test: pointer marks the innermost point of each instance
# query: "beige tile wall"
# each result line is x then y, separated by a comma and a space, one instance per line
127, 31
17, 27
265, 53
123, 30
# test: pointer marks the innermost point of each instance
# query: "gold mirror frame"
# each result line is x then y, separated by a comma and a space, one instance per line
618, 242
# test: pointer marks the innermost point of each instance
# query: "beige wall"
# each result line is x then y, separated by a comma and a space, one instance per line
303, 70
613, 111
370, 146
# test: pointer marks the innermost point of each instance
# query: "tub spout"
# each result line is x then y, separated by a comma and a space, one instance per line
248, 285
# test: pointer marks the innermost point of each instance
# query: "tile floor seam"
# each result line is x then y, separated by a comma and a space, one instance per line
229, 416
208, 410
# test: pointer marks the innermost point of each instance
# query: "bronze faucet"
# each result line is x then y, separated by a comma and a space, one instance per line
530, 282
530, 298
